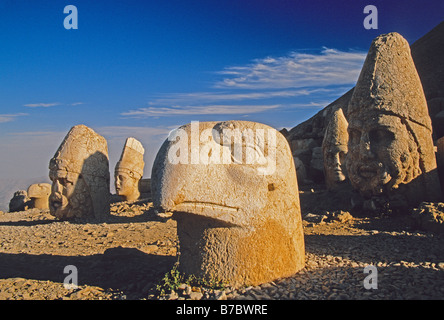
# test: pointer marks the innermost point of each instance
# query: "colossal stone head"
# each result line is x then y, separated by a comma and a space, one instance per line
129, 170
390, 134
39, 194
334, 147
233, 189
79, 172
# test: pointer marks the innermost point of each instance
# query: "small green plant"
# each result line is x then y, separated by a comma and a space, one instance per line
212, 283
170, 281
174, 278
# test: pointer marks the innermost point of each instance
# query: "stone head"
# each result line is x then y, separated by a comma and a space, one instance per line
129, 170
335, 149
390, 133
233, 189
79, 172
39, 194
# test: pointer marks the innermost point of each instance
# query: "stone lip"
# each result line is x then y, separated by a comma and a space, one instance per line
215, 211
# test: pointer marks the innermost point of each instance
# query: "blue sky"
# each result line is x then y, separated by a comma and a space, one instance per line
142, 68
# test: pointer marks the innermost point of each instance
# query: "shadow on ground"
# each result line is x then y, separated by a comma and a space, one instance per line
126, 269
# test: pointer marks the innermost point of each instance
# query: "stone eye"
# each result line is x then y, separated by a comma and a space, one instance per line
381, 136
354, 136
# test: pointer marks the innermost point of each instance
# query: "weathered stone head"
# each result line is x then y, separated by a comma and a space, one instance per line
79, 172
19, 201
39, 194
129, 170
233, 189
390, 134
335, 148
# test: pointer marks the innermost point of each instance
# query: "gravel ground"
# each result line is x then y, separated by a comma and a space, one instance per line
126, 257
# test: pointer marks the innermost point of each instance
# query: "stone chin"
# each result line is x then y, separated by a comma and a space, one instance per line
59, 206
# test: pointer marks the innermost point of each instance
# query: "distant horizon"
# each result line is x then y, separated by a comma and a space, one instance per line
142, 69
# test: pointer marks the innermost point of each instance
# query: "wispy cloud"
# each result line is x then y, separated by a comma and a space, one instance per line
297, 80
198, 110
42, 105
121, 132
296, 70
52, 104
10, 117
209, 97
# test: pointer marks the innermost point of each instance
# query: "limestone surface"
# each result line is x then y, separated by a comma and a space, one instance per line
39, 195
129, 170
233, 189
80, 176
335, 148
390, 133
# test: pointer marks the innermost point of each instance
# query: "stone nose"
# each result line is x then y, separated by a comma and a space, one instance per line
366, 148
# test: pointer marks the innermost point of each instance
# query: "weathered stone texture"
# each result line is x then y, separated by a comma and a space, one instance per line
390, 132
39, 195
79, 171
335, 148
238, 222
129, 170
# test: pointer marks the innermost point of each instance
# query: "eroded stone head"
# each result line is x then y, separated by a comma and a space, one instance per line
390, 134
232, 187
39, 195
129, 170
79, 172
335, 148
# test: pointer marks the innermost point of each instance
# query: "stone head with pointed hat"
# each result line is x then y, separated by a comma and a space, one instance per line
390, 133
334, 147
129, 170
80, 177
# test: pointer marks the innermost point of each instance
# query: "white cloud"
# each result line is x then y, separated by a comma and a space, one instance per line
296, 70
41, 105
10, 117
197, 98
297, 80
198, 110
52, 104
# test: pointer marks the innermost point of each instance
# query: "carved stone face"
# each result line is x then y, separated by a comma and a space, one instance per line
334, 160
126, 185
70, 195
79, 172
381, 154
129, 170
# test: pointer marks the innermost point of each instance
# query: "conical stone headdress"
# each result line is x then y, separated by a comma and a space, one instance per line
389, 84
336, 132
131, 160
